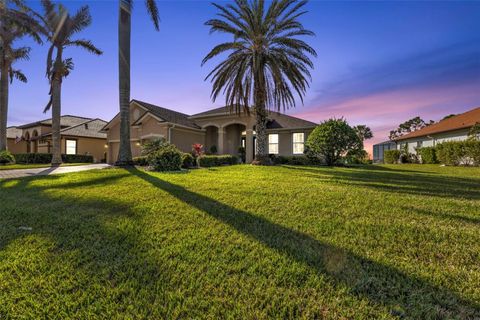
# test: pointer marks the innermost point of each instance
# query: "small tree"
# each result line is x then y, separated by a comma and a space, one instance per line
411, 125
474, 133
332, 139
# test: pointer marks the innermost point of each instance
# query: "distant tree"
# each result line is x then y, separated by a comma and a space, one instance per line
61, 28
363, 132
331, 140
449, 116
474, 133
16, 22
411, 125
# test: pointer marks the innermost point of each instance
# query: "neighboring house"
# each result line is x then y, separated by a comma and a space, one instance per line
380, 148
455, 128
218, 127
78, 136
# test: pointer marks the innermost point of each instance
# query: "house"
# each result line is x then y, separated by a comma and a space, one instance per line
380, 148
79, 135
455, 128
217, 129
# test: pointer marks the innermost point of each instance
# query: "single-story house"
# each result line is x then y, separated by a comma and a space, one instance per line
380, 148
79, 135
455, 128
218, 129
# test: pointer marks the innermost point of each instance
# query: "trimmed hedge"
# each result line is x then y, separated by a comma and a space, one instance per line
296, 160
427, 155
391, 156
6, 157
188, 160
215, 161
41, 158
455, 153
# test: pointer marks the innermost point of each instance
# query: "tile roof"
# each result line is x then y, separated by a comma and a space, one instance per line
277, 120
65, 121
168, 115
89, 129
460, 121
14, 132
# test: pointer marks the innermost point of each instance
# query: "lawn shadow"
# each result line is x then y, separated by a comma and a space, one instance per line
381, 284
398, 181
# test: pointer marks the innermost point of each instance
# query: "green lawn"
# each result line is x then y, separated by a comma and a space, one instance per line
243, 242
35, 165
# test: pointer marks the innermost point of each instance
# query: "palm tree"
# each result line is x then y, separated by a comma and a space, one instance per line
124, 27
16, 22
267, 63
61, 27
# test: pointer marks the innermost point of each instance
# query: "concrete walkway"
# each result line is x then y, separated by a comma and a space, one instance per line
20, 173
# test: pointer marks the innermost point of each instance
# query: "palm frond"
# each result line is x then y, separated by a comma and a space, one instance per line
85, 44
17, 74
153, 12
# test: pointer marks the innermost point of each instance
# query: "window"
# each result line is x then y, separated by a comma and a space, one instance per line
71, 147
273, 143
298, 143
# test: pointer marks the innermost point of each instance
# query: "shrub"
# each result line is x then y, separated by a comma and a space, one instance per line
296, 160
166, 158
213, 149
242, 153
153, 146
332, 139
427, 155
6, 157
140, 161
391, 156
215, 161
27, 158
188, 160
77, 158
454, 153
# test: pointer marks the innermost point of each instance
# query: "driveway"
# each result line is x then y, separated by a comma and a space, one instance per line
20, 173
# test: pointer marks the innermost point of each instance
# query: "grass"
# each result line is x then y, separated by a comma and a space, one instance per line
36, 165
378, 242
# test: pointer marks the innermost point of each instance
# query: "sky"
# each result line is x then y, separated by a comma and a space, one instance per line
379, 63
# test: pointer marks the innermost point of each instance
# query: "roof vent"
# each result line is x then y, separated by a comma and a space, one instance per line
86, 126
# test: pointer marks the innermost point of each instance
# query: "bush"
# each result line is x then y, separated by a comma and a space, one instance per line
140, 161
27, 158
42, 158
391, 156
427, 155
213, 149
6, 157
215, 161
242, 153
167, 158
188, 160
153, 146
332, 139
77, 158
296, 160
455, 153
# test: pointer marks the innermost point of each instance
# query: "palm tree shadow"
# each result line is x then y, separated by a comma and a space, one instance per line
379, 283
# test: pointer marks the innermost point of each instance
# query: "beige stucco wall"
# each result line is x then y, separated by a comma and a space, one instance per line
184, 138
87, 146
15, 148
285, 140
434, 139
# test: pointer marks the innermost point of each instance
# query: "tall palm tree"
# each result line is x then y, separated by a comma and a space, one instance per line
267, 64
16, 21
61, 28
124, 28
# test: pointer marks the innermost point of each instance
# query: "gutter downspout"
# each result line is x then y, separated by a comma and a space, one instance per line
170, 133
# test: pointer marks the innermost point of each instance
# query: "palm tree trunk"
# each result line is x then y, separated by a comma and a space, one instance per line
261, 153
3, 107
124, 28
56, 110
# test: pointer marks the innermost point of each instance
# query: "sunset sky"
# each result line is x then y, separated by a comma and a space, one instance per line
379, 63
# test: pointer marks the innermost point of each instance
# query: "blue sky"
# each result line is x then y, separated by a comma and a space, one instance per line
379, 63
